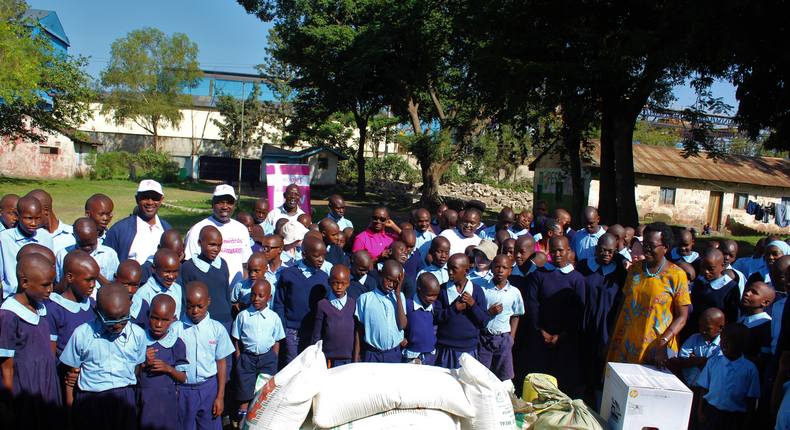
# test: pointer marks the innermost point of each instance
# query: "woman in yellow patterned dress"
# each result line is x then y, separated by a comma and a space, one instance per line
655, 304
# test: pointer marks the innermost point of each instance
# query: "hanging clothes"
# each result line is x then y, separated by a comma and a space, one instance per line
759, 212
781, 215
751, 207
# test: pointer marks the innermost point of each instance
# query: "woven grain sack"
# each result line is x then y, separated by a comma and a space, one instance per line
396, 419
359, 390
488, 396
284, 402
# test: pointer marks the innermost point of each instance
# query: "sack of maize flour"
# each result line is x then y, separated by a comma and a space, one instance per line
397, 419
488, 396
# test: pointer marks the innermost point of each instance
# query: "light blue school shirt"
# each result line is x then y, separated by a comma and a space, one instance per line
290, 261
783, 417
62, 237
730, 383
626, 253
105, 257
378, 314
274, 277
479, 279
452, 291
340, 303
440, 273
696, 345
512, 306
518, 233
2, 227
741, 278
687, 258
150, 289
532, 267
268, 230
204, 266
11, 241
583, 243
342, 222
206, 342
105, 360
490, 233
423, 243
24, 314
241, 291
257, 330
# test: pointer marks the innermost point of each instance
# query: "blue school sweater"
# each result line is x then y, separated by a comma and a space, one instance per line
419, 331
217, 281
297, 296
460, 330
335, 255
412, 265
122, 234
336, 328
356, 288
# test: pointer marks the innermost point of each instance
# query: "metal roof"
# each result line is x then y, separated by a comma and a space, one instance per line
668, 162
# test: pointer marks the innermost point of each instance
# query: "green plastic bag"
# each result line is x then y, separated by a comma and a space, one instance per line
557, 411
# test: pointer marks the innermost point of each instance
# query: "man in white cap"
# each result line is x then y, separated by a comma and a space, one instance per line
289, 209
136, 237
236, 248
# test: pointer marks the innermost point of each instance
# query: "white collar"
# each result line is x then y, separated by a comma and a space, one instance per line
517, 270
204, 265
24, 313
754, 320
68, 305
418, 304
189, 323
491, 286
341, 300
567, 269
157, 223
716, 284
597, 234
594, 266
687, 258
452, 290
167, 341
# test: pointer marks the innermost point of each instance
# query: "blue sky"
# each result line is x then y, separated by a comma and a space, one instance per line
228, 38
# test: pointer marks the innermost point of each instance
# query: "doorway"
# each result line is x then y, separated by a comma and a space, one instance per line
714, 209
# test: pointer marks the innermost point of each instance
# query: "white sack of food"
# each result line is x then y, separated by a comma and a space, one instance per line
488, 396
397, 419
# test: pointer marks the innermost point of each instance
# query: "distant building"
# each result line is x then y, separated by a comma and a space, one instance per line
690, 191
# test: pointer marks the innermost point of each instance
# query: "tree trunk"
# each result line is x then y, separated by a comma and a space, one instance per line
431, 175
607, 196
362, 125
573, 144
622, 137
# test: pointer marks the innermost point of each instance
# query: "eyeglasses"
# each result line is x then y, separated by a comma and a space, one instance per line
379, 218
269, 248
649, 248
111, 322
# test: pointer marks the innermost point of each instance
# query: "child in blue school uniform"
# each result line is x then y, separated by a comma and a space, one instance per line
240, 294
419, 333
26, 360
256, 333
13, 239
439, 253
730, 384
460, 314
72, 308
211, 269
106, 351
361, 280
166, 269
201, 399
157, 400
334, 320
505, 305
300, 288
382, 318
170, 239
129, 274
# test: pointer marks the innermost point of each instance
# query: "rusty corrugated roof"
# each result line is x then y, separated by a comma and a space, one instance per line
663, 161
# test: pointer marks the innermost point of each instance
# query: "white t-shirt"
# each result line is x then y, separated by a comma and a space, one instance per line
278, 213
146, 240
235, 245
459, 243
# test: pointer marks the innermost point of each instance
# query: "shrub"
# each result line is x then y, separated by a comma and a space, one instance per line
148, 164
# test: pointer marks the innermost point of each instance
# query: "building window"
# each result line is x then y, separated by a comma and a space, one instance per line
51, 150
323, 163
558, 187
667, 196
739, 201
786, 200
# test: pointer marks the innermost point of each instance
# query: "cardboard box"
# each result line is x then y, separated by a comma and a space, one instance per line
636, 397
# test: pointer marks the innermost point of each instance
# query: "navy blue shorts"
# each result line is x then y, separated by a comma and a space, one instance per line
110, 409
375, 355
495, 351
246, 370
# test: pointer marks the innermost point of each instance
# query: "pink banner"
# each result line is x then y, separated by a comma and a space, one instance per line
280, 176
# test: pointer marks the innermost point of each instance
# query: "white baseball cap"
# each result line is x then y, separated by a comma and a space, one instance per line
150, 185
224, 190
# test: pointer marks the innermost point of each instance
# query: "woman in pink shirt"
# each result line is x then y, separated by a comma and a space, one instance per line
374, 239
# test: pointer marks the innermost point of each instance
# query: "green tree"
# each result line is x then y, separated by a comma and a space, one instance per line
41, 89
147, 78
646, 134
234, 116
278, 76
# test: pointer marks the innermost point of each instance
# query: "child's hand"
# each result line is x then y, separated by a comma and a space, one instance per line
219, 406
459, 304
467, 298
495, 309
546, 337
160, 366
71, 377
403, 343
150, 354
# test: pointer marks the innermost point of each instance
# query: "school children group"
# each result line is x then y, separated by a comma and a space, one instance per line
127, 325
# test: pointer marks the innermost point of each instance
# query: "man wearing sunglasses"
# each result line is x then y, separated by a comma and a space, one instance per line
137, 235
374, 239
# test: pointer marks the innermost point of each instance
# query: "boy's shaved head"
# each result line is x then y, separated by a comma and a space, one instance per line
428, 283
458, 259
312, 244
340, 271
9, 200
685, 235
172, 240
34, 264
766, 291
209, 233
439, 241
35, 248
557, 241
113, 299
164, 303
195, 291
362, 258
502, 259
394, 269
607, 239
274, 240
737, 333
714, 254
42, 196
130, 268
327, 224
29, 204
85, 227
409, 237
245, 218
79, 259
713, 315
165, 257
